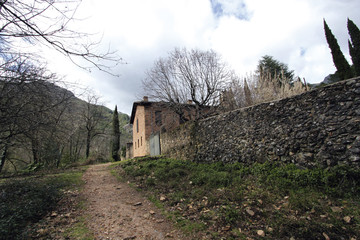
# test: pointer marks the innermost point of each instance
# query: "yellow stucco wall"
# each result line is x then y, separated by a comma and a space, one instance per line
139, 143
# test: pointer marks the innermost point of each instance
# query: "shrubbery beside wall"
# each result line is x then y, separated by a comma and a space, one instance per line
319, 127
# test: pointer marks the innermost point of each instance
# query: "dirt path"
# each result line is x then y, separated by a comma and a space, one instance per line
116, 211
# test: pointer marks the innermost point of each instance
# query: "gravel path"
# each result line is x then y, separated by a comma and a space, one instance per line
117, 211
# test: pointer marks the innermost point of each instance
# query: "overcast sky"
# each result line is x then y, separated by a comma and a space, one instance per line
241, 31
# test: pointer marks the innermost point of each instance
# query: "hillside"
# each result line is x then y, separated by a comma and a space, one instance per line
43, 125
78, 105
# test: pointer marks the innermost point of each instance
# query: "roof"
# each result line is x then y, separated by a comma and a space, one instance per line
133, 111
147, 103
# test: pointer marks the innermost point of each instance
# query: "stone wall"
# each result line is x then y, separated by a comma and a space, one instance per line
319, 127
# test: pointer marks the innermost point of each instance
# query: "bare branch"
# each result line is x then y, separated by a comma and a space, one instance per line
46, 22
194, 75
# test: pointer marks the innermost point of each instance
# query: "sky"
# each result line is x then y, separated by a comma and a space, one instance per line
241, 31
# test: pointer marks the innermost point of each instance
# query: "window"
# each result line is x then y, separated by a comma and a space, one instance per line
137, 125
138, 143
141, 141
158, 120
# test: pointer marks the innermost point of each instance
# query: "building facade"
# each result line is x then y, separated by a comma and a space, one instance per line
149, 118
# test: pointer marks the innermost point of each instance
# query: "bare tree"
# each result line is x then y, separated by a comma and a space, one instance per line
46, 22
92, 115
184, 75
31, 106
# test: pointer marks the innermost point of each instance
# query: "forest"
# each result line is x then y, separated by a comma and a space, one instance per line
46, 126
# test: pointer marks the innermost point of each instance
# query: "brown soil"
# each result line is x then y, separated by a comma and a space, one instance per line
113, 210
117, 211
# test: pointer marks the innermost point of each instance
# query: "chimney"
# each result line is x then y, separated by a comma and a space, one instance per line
146, 99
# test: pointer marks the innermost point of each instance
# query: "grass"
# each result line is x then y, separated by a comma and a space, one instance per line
234, 201
114, 172
26, 200
79, 230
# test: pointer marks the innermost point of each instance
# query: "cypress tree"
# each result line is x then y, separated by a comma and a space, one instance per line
342, 66
354, 45
116, 136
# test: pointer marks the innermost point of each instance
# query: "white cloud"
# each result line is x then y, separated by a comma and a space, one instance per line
240, 30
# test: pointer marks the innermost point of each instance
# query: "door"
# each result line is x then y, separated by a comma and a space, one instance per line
155, 144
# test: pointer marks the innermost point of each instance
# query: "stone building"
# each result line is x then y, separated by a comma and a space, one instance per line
150, 118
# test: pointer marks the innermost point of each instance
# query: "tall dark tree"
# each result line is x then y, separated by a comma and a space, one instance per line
342, 66
354, 45
116, 136
276, 69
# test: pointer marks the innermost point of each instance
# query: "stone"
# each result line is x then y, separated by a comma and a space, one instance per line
280, 151
339, 148
326, 236
250, 212
226, 228
354, 150
261, 233
138, 204
357, 91
354, 158
336, 209
168, 235
347, 219
162, 198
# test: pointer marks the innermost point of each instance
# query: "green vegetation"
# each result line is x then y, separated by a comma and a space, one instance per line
344, 70
79, 230
61, 137
116, 136
354, 45
27, 200
235, 201
341, 64
277, 70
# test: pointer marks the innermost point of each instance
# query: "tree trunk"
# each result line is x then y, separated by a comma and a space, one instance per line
88, 141
35, 151
116, 147
3, 157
